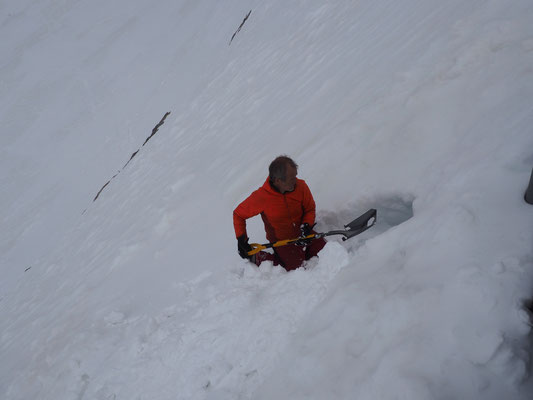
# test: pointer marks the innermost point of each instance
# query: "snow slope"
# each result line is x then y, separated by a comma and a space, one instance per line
421, 109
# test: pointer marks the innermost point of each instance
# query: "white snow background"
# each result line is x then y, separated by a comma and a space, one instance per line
422, 109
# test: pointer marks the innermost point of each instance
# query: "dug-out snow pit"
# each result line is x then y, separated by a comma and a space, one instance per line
392, 210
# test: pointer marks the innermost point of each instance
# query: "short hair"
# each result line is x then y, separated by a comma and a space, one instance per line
278, 167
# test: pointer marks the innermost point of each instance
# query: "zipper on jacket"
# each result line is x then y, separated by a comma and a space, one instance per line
289, 211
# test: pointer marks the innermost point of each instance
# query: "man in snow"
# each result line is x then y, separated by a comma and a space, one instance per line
288, 212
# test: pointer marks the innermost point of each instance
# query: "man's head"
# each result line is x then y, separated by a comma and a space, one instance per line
282, 172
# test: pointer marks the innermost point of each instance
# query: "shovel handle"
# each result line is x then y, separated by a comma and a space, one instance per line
257, 247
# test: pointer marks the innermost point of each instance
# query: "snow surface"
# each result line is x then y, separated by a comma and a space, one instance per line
422, 109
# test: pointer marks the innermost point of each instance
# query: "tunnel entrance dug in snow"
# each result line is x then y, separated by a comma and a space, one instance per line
392, 210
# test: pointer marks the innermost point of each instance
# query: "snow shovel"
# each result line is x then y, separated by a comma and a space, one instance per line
354, 228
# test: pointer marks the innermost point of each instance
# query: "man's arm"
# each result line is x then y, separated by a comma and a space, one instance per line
249, 208
309, 207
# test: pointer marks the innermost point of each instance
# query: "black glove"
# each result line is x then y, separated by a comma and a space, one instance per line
243, 247
306, 230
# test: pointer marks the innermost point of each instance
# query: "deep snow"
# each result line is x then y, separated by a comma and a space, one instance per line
421, 109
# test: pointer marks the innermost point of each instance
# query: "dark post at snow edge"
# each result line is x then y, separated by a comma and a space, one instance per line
528, 197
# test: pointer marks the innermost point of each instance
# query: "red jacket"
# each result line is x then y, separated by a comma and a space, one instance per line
282, 213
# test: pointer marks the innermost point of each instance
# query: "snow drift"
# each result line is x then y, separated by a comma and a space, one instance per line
420, 109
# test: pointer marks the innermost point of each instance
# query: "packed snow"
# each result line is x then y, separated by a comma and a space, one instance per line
422, 109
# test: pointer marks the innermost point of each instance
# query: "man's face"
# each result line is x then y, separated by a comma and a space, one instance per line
289, 183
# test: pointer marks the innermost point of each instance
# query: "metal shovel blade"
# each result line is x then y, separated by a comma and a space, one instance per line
360, 224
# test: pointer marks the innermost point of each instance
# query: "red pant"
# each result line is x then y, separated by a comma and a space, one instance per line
291, 256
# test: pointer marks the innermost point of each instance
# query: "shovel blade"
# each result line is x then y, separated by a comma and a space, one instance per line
360, 224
